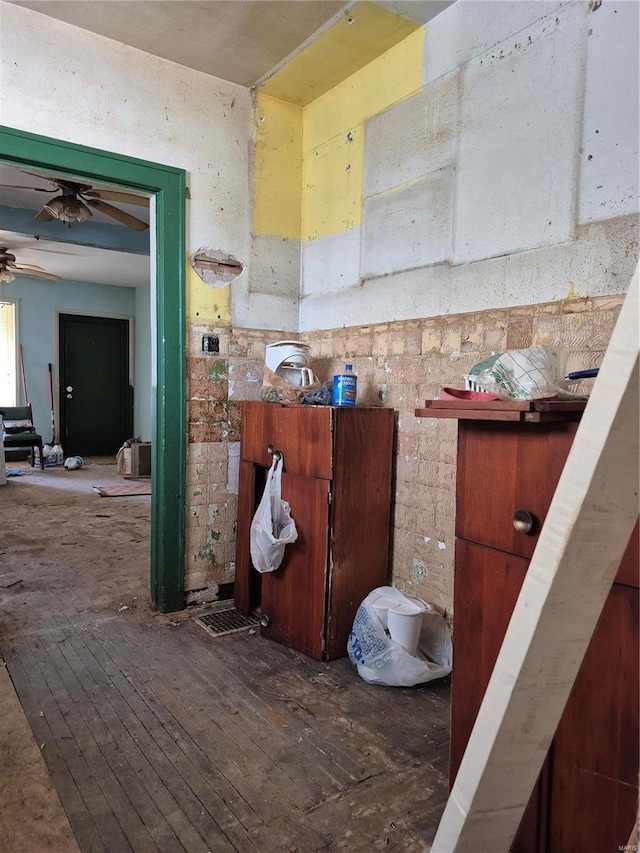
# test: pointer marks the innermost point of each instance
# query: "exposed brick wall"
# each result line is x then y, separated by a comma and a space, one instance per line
402, 364
399, 365
215, 385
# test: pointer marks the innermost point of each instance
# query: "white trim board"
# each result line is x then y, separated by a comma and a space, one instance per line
590, 520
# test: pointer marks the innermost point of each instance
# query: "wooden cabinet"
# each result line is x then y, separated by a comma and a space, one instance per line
337, 480
587, 794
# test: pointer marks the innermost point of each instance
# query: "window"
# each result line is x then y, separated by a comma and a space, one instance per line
8, 372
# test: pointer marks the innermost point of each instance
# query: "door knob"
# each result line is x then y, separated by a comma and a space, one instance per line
69, 396
523, 521
265, 621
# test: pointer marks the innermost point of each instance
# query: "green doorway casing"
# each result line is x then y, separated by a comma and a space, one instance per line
167, 185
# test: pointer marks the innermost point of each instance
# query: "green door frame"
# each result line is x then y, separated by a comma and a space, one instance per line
168, 185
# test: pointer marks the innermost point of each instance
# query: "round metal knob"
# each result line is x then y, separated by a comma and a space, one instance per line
523, 521
265, 621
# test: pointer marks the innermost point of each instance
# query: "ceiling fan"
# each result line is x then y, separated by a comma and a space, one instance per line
76, 200
8, 267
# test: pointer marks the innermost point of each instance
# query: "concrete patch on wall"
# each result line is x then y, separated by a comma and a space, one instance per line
215, 267
466, 29
609, 151
264, 311
519, 136
413, 138
331, 263
408, 227
600, 262
275, 266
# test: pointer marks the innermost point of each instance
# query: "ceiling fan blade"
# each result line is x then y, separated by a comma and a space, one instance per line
25, 267
123, 198
18, 187
59, 182
37, 274
118, 215
43, 216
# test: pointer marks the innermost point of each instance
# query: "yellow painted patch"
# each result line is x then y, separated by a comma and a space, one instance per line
332, 193
334, 136
277, 205
572, 291
206, 304
338, 53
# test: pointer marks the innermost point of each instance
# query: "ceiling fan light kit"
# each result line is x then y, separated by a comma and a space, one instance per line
68, 208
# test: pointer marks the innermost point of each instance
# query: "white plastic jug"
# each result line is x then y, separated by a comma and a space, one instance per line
73, 462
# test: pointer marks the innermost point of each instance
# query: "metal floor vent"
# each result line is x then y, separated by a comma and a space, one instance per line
227, 622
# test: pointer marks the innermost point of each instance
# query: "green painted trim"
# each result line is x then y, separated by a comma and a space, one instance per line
167, 184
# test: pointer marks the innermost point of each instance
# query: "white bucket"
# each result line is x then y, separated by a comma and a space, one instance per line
405, 623
401, 618
381, 605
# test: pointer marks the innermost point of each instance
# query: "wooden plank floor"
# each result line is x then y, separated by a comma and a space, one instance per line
160, 737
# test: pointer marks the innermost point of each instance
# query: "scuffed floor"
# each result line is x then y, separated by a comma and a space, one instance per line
159, 737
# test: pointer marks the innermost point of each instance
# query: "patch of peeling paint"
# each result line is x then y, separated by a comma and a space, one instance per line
420, 570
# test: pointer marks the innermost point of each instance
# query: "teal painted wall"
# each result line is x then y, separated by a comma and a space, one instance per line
37, 303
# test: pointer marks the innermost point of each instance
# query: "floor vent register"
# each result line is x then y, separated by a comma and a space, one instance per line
227, 622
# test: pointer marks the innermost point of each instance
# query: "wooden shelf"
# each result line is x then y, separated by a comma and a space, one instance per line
525, 411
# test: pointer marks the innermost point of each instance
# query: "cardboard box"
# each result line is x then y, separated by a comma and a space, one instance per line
136, 460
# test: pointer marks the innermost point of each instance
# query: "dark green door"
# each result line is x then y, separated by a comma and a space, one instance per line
95, 398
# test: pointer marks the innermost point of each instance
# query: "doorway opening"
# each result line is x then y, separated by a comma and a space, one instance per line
167, 188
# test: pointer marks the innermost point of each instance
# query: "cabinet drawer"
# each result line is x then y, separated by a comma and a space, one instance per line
302, 433
503, 468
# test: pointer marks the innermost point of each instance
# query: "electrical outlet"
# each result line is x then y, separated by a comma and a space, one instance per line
210, 344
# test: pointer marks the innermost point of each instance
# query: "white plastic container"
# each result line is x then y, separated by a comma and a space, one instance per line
73, 462
286, 354
403, 620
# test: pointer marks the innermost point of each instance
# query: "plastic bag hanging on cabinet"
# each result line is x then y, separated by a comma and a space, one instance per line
272, 527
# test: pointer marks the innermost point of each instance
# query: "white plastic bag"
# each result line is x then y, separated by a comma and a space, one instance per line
524, 374
380, 660
272, 528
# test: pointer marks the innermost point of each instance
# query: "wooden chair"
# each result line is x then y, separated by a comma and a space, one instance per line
18, 430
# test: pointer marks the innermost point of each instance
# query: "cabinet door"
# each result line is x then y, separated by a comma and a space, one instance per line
486, 587
302, 433
595, 756
502, 468
293, 597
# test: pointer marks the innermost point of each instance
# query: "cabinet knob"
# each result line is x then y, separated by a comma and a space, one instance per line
523, 521
265, 621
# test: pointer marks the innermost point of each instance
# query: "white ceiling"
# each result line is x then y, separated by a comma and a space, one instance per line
236, 40
242, 41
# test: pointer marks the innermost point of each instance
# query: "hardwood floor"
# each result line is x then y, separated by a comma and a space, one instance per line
160, 737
